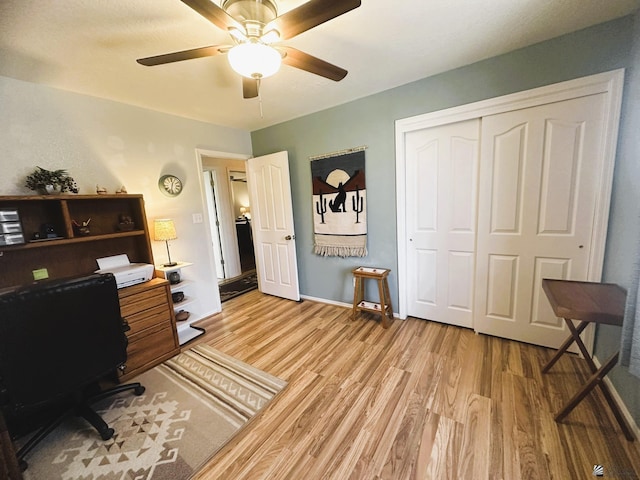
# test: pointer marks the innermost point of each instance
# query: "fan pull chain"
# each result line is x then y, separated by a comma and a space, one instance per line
259, 97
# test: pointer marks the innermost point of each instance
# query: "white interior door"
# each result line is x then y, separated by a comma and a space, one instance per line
539, 179
272, 220
441, 187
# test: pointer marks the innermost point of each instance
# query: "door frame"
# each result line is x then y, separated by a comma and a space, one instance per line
212, 209
609, 83
202, 152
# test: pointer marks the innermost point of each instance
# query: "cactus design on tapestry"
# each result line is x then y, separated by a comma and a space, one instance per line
339, 205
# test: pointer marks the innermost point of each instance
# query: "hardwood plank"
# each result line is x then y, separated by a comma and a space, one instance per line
419, 400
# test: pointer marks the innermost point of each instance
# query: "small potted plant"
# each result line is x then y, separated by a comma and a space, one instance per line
50, 181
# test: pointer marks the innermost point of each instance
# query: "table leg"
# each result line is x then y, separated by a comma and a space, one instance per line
388, 297
567, 343
357, 296
597, 379
581, 346
383, 303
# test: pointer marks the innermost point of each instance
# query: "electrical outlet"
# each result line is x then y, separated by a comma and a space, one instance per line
40, 274
197, 218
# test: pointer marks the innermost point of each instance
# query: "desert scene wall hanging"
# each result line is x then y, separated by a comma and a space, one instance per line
340, 203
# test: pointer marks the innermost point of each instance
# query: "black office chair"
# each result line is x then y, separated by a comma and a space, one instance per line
58, 339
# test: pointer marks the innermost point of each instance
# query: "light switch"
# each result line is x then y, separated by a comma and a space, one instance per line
197, 218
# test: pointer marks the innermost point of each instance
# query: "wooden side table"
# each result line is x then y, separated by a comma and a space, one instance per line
384, 307
590, 303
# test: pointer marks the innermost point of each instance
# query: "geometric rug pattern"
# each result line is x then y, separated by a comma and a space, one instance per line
194, 403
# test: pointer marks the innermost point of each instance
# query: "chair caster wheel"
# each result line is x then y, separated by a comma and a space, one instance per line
139, 390
107, 434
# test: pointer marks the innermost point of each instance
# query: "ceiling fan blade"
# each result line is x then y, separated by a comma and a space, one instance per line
183, 55
309, 15
214, 14
249, 87
298, 59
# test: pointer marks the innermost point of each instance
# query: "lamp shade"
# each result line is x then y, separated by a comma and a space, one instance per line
254, 60
164, 229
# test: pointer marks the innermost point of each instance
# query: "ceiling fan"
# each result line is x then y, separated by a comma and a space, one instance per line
254, 26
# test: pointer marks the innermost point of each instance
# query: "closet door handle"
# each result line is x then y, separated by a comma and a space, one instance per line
290, 237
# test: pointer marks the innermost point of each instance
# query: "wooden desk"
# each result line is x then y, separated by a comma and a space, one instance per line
589, 303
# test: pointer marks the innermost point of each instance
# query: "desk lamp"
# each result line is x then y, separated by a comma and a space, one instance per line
165, 230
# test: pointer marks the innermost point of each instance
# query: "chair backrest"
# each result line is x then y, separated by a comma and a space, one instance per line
58, 337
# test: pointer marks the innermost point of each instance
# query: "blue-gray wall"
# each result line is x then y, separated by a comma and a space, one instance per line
370, 121
623, 241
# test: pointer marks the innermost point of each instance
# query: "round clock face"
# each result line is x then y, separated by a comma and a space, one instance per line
170, 185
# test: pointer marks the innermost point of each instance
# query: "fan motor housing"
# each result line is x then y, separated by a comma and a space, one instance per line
260, 11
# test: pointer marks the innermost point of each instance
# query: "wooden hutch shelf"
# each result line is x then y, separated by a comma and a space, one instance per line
147, 306
71, 252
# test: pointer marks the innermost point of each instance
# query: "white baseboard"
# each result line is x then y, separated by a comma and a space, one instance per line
333, 302
324, 300
618, 399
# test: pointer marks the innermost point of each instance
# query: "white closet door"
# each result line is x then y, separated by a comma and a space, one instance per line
441, 187
538, 193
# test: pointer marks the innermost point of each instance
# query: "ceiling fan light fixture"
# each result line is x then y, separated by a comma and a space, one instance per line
238, 34
270, 36
254, 60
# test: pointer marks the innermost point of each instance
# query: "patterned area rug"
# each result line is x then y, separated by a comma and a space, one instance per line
239, 285
193, 404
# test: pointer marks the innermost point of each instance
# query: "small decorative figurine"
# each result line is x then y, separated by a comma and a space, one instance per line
125, 223
101, 190
81, 228
47, 231
122, 189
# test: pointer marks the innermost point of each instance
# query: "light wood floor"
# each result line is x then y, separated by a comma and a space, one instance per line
419, 400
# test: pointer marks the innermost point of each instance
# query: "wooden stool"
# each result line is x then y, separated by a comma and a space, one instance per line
587, 302
384, 308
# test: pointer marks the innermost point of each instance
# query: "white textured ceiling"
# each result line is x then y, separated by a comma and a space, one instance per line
90, 47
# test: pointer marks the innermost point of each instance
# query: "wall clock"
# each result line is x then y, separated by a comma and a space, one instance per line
170, 185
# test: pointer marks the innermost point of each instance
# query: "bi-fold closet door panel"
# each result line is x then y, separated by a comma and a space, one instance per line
539, 180
442, 178
495, 204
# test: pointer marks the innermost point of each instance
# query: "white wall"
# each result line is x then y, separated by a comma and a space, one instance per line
108, 143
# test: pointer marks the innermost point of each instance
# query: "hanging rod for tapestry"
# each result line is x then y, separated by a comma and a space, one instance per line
338, 153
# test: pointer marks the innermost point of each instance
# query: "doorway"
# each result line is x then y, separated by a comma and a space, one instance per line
242, 212
271, 220
248, 278
229, 212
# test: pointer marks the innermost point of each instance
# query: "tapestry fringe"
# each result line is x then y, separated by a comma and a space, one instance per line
338, 251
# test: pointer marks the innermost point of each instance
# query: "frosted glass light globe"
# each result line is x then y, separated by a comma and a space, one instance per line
254, 60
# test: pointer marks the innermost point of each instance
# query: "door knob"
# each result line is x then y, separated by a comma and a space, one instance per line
289, 237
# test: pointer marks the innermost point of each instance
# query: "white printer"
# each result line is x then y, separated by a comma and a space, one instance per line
126, 273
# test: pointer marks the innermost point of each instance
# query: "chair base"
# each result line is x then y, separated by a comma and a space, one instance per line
82, 409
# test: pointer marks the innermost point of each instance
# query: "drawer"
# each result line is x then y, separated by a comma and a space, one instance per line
143, 301
11, 238
9, 216
146, 348
154, 316
10, 227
